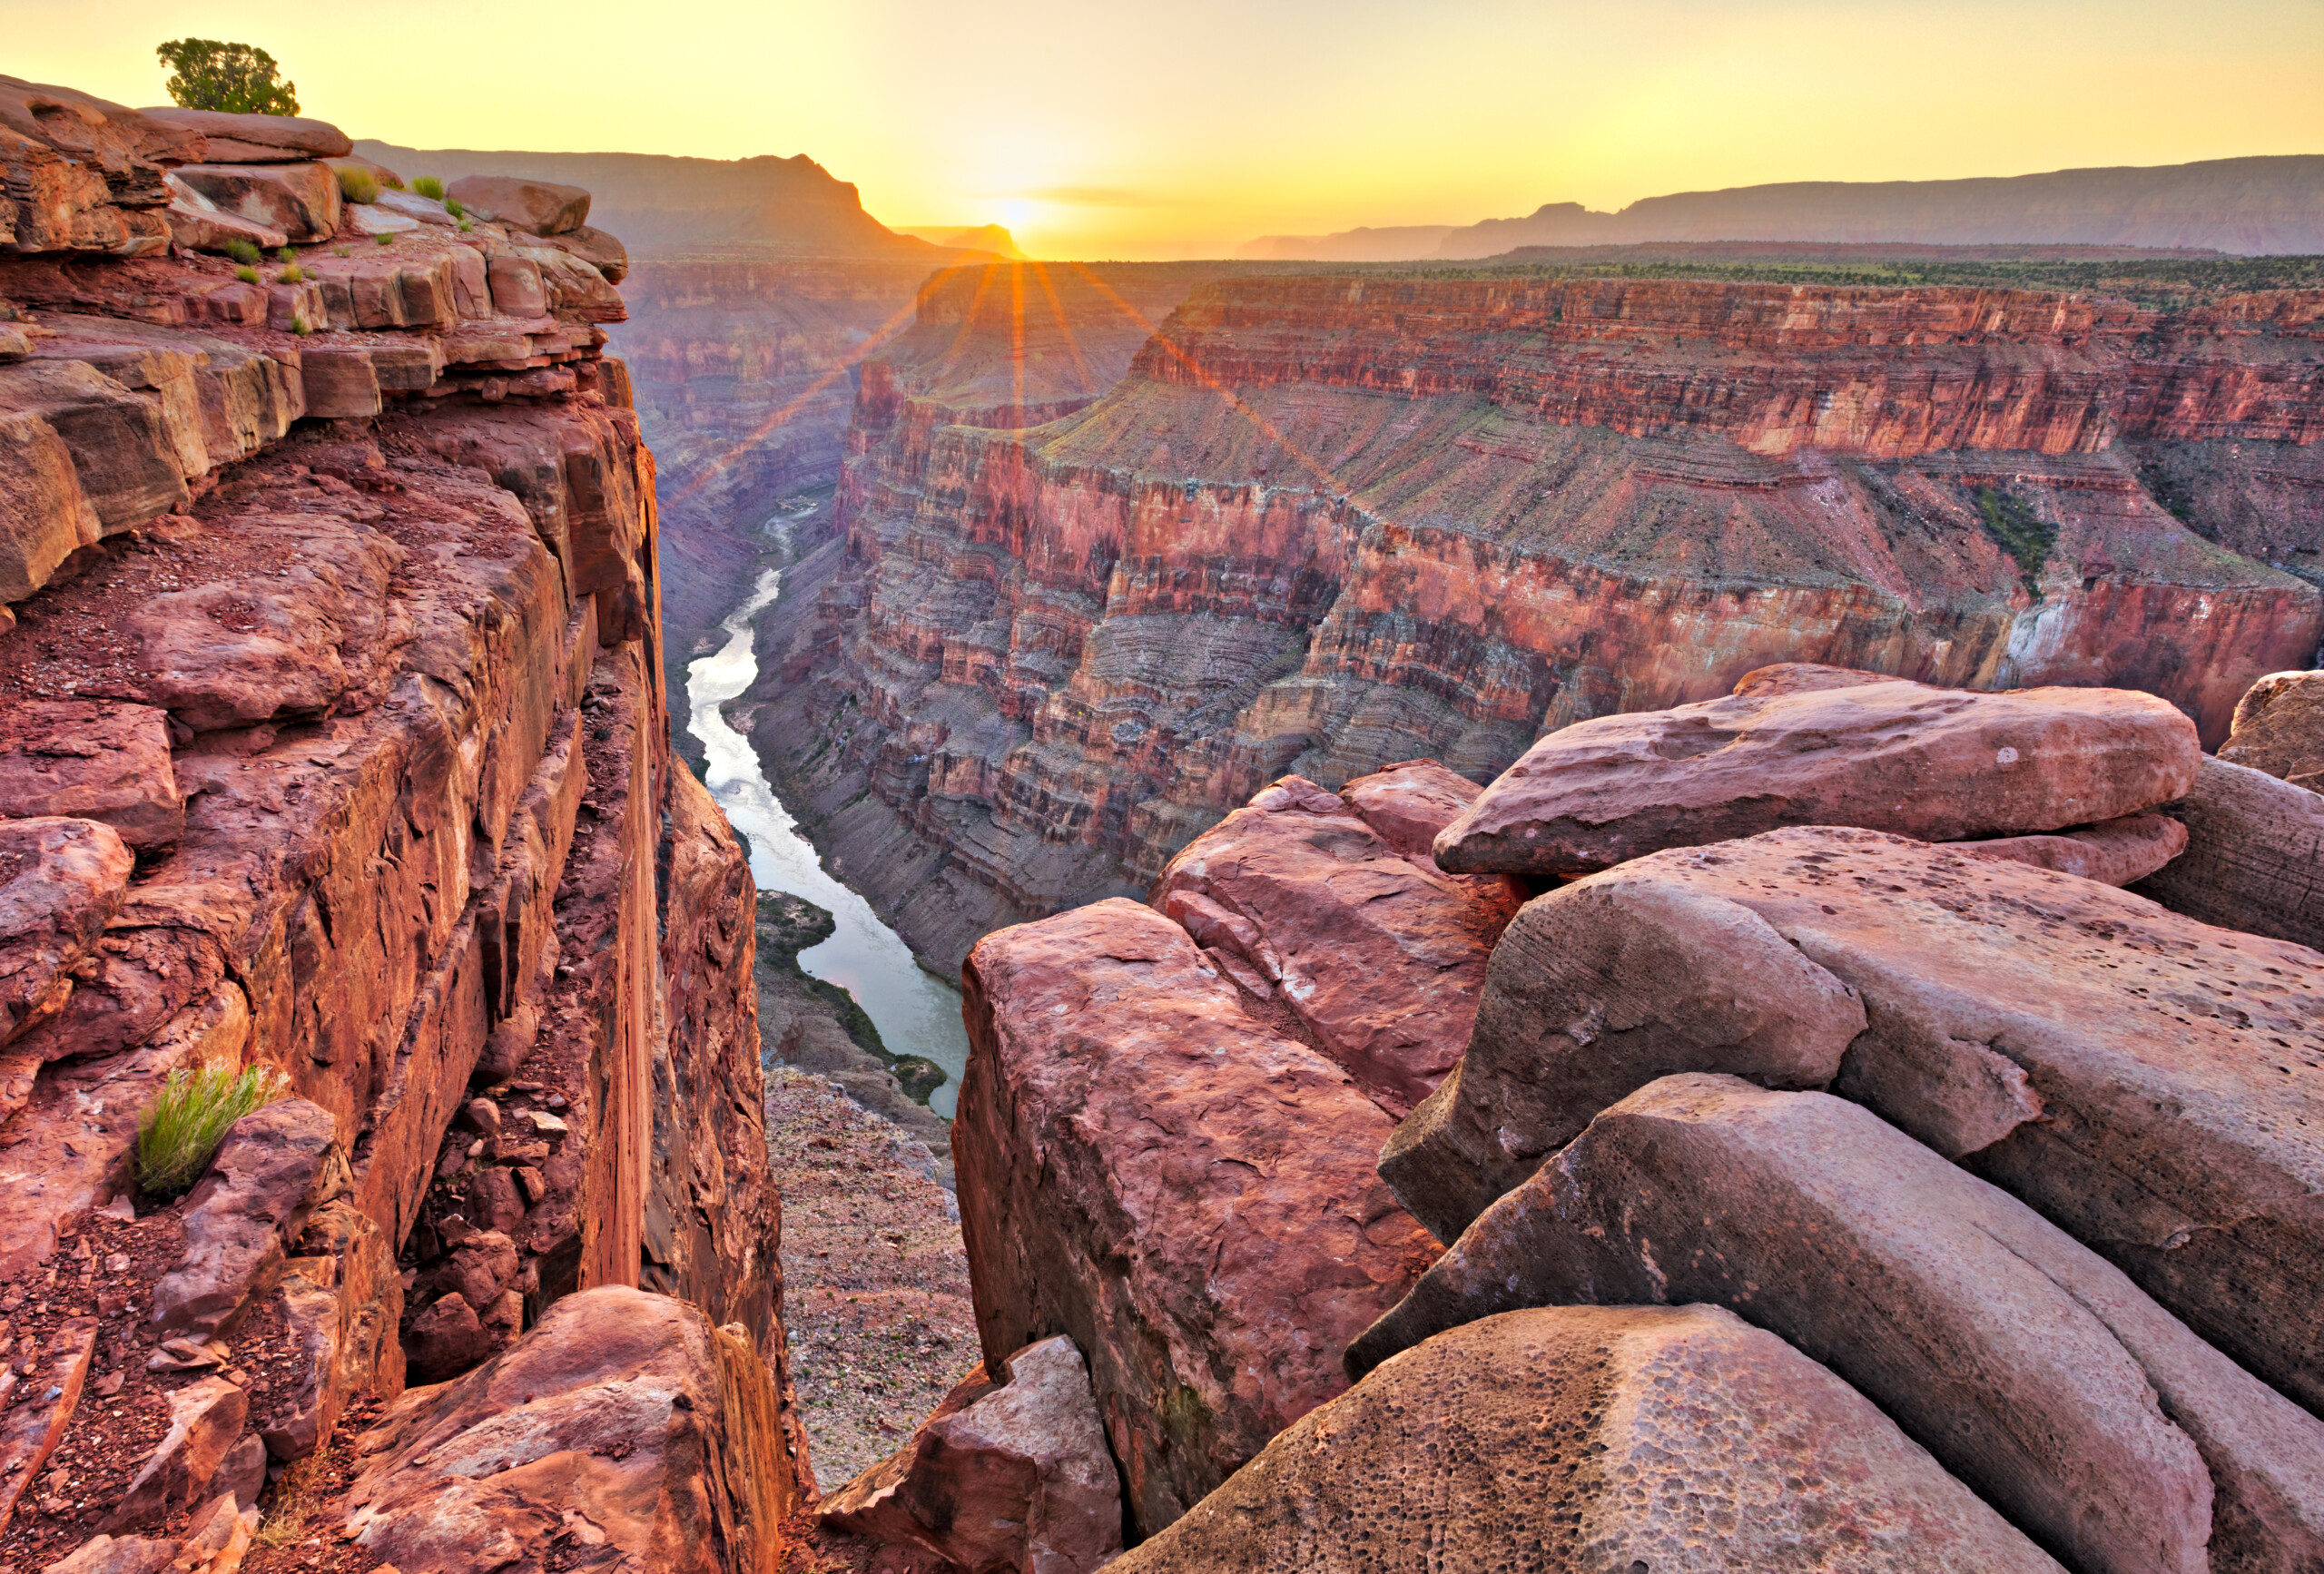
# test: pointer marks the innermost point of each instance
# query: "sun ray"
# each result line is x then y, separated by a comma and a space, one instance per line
1065, 328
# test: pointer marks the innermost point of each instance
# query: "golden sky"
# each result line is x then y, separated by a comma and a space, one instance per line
1185, 127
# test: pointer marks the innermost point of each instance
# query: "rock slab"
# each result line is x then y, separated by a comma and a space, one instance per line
1593, 1437
1936, 764
2254, 858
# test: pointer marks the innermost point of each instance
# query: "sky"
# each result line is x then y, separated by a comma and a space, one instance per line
1180, 128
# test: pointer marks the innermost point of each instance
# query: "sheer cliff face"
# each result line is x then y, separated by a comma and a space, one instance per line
1325, 523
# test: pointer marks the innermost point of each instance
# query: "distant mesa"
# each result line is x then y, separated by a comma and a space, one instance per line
2254, 207
993, 238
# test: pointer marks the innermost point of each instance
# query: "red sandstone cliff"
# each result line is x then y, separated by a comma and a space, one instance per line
1327, 521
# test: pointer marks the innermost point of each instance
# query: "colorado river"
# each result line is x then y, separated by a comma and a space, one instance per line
916, 1013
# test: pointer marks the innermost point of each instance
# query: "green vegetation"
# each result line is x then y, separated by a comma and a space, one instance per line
178, 1136
466, 226
291, 274
2018, 531
234, 78
452, 206
248, 275
429, 187
358, 184
385, 240
243, 253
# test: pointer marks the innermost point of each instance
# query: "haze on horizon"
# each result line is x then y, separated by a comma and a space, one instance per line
1188, 128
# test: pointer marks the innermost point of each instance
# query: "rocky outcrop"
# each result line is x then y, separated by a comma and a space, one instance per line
2279, 728
1150, 1168
1580, 1437
2254, 858
1326, 523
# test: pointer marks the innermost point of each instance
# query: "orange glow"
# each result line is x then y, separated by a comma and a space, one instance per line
1189, 127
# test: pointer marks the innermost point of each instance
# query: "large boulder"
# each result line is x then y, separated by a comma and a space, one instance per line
1937, 765
257, 139
2152, 1084
1186, 1191
542, 207
1377, 953
275, 1167
2254, 858
1593, 1437
623, 1430
300, 199
1012, 1474
2030, 1367
94, 760
61, 878
2279, 728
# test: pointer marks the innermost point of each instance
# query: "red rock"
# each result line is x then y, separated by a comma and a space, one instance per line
2279, 728
301, 200
198, 224
126, 466
31, 1429
542, 207
1377, 954
1936, 764
2153, 1085
342, 1299
81, 125
2254, 858
274, 1168
60, 879
2026, 1363
516, 285
117, 1555
1580, 1437
256, 138
1188, 1196
1013, 1474
602, 252
2116, 852
205, 1420
623, 1421
91, 760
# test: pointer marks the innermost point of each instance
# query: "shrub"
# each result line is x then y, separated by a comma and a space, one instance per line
299, 326
247, 274
286, 255
293, 274
180, 1134
358, 185
466, 226
243, 253
429, 187
238, 78
385, 240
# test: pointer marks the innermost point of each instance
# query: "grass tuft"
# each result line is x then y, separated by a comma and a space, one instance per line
385, 240
291, 274
178, 1137
452, 206
248, 275
430, 187
243, 253
358, 185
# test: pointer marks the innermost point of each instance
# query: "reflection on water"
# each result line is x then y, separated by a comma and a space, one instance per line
916, 1013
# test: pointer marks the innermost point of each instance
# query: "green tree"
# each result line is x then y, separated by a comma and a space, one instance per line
238, 78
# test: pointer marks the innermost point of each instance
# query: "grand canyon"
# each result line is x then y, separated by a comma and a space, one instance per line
1629, 891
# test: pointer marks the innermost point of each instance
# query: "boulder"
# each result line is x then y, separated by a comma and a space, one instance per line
52, 1375
257, 139
2279, 728
516, 285
1012, 1474
198, 224
1408, 803
2151, 1085
2117, 852
301, 200
1937, 765
276, 1166
95, 131
1593, 1437
2254, 858
206, 1420
60, 879
117, 1555
1186, 1192
541, 207
374, 220
622, 1428
93, 760
602, 252
2030, 1367
1379, 956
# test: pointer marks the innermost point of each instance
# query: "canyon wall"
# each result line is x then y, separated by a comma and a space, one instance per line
336, 746
1325, 523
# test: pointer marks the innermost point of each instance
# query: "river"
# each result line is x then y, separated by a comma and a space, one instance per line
916, 1012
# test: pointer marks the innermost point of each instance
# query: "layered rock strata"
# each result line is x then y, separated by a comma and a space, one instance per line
338, 748
1323, 523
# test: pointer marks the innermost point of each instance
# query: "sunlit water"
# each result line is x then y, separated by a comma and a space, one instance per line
916, 1013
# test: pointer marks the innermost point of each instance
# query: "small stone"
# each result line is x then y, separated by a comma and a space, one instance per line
482, 1115
546, 1124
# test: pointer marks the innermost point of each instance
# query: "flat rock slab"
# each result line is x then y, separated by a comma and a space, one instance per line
1377, 953
2279, 728
1593, 1437
257, 139
1185, 1192
1938, 765
2032, 1368
623, 1426
94, 760
60, 879
1010, 1474
2119, 852
2254, 858
2151, 1085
